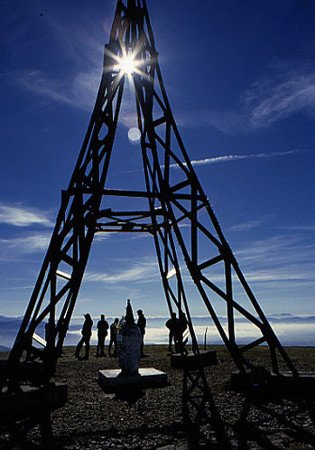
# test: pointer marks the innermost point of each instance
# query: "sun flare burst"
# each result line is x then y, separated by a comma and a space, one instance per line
127, 64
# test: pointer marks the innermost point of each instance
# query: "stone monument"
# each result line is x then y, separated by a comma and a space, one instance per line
129, 345
129, 342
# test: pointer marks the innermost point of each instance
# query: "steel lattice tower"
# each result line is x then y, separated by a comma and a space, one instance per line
178, 214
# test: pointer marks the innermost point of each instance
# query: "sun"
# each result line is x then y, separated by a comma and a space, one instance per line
127, 64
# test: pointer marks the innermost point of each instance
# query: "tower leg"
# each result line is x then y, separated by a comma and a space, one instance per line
200, 415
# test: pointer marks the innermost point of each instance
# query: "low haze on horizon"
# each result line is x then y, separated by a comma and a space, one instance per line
241, 82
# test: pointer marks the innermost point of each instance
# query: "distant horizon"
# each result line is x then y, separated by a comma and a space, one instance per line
206, 316
291, 330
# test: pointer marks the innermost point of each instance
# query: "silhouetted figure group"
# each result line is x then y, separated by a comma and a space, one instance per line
177, 328
102, 332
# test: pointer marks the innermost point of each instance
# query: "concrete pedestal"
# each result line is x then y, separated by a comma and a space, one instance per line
303, 385
148, 377
31, 403
191, 361
283, 384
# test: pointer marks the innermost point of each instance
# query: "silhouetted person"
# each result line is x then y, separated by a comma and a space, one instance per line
50, 332
31, 351
86, 336
102, 329
172, 325
121, 323
114, 328
141, 323
62, 329
180, 329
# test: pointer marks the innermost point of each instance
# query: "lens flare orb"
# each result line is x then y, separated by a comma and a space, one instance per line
134, 134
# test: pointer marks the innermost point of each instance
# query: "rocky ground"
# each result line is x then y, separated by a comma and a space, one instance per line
154, 418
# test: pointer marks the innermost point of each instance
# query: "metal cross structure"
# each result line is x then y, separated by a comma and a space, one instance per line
188, 239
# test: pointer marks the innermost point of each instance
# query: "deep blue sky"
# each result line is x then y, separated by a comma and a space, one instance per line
240, 76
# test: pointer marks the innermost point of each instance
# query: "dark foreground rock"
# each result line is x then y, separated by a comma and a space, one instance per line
153, 418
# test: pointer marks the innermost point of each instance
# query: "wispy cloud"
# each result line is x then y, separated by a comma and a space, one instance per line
78, 91
24, 245
79, 45
77, 40
282, 258
280, 275
75, 44
17, 288
281, 249
142, 272
268, 100
19, 216
251, 224
245, 226
231, 158
296, 227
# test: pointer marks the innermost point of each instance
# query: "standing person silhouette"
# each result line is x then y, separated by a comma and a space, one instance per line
141, 323
114, 328
86, 336
102, 329
180, 329
172, 324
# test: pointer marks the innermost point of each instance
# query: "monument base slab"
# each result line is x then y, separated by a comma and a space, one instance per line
112, 379
282, 384
191, 361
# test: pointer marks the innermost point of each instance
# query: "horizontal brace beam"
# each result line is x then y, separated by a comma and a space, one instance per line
124, 223
140, 214
127, 193
102, 229
142, 194
39, 339
64, 275
252, 344
181, 185
159, 121
210, 262
171, 273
